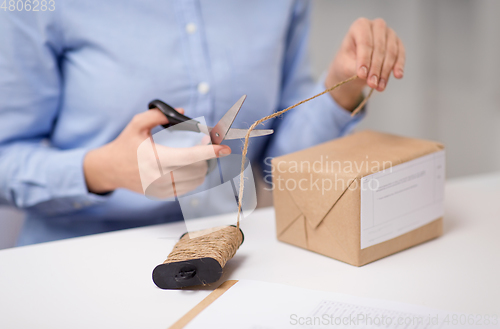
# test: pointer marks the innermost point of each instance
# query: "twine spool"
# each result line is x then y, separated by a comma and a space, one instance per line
198, 258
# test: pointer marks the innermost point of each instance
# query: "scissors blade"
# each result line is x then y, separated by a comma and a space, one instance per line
235, 133
218, 133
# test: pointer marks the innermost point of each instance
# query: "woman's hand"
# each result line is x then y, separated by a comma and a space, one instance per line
370, 50
116, 164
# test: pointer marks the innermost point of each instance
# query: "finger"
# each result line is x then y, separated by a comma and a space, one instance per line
177, 157
390, 59
363, 39
161, 188
204, 152
146, 121
205, 140
399, 67
222, 150
180, 110
379, 29
165, 187
190, 171
186, 187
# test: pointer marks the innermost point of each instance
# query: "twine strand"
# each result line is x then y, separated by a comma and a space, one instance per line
258, 122
360, 106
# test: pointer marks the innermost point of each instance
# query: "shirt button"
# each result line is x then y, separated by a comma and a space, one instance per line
77, 205
203, 88
191, 28
194, 202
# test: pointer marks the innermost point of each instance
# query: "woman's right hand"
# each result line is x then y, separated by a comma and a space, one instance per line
115, 165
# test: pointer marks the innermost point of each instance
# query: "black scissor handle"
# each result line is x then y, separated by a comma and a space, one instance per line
174, 117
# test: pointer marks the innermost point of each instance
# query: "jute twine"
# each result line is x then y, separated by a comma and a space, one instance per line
219, 243
274, 115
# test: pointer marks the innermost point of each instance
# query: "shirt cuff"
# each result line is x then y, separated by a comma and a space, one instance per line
343, 119
66, 183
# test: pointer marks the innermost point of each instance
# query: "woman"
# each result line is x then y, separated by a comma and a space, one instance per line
75, 82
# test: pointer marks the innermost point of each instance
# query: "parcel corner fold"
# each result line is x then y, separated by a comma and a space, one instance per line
361, 197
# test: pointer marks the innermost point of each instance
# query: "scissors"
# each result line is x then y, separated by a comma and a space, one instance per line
221, 131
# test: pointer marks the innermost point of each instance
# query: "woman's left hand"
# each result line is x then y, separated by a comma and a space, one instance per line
371, 50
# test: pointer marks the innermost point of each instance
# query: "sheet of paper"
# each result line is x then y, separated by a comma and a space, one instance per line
260, 305
402, 198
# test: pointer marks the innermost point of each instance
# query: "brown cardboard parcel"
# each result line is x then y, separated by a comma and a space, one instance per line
329, 223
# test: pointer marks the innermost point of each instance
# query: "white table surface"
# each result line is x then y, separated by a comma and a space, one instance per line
104, 281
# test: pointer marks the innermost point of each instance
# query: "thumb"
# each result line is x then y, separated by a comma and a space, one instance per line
148, 120
145, 121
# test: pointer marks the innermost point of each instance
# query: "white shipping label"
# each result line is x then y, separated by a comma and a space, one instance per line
402, 198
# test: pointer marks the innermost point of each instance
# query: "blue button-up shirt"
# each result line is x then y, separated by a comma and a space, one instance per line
71, 79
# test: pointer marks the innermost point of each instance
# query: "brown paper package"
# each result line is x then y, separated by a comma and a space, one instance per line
329, 223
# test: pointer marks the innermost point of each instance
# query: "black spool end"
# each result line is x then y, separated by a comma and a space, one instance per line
187, 273
242, 235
